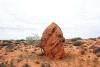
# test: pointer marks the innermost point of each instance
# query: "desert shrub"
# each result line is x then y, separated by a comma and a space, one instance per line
94, 39
2, 65
33, 40
45, 65
98, 37
96, 49
29, 40
75, 39
78, 43
12, 65
98, 55
37, 62
95, 62
9, 50
26, 65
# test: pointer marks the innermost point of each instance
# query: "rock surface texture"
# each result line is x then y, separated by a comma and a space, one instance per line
52, 42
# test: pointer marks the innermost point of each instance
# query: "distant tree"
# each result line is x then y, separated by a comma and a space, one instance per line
36, 37
33, 40
29, 39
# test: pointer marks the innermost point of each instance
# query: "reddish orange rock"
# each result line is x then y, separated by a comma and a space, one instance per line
52, 42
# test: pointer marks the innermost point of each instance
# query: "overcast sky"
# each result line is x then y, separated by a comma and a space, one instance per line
77, 18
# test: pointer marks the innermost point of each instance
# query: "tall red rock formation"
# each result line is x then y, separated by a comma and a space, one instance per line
52, 42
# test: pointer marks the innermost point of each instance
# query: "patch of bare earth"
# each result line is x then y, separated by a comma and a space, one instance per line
87, 54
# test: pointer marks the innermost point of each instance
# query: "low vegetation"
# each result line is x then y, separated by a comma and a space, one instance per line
75, 39
79, 53
78, 43
33, 40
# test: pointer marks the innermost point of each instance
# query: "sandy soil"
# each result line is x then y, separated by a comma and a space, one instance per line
82, 55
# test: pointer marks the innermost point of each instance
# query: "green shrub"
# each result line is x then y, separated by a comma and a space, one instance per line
2, 65
33, 40
29, 40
